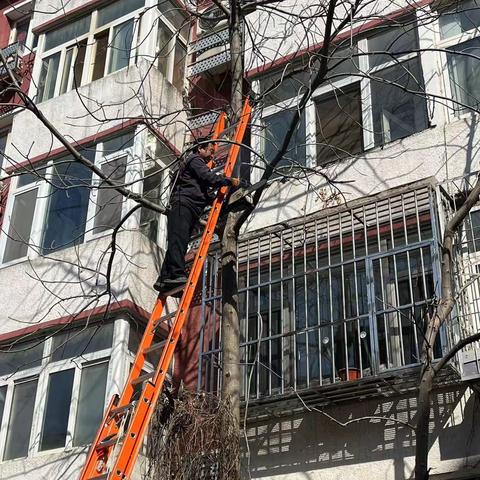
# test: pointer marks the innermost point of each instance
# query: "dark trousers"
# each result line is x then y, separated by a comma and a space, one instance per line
181, 221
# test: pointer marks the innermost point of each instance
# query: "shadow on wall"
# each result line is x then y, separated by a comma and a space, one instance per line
297, 446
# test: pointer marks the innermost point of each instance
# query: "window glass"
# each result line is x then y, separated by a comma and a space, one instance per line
117, 10
179, 65
121, 46
398, 113
153, 186
91, 403
163, 47
48, 77
396, 40
81, 341
464, 74
280, 87
67, 66
20, 421
275, 129
20, 225
472, 228
21, 30
79, 64
339, 124
343, 61
3, 147
464, 16
175, 15
20, 357
120, 142
67, 205
100, 55
68, 32
109, 201
3, 396
57, 410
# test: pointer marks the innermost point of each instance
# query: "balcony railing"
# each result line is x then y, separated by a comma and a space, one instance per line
334, 299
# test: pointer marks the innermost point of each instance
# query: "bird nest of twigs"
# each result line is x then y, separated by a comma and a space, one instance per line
192, 437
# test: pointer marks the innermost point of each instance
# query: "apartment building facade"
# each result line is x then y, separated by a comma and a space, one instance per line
335, 277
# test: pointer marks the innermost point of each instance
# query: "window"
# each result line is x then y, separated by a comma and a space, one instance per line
20, 421
109, 202
275, 126
472, 229
366, 101
106, 37
337, 298
91, 403
20, 357
68, 209
67, 205
21, 218
74, 343
20, 31
171, 52
398, 113
57, 409
339, 124
3, 148
48, 401
459, 36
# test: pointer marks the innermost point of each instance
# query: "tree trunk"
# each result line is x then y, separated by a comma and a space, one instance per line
422, 427
230, 320
231, 328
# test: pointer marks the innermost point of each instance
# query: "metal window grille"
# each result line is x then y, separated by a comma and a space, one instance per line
335, 298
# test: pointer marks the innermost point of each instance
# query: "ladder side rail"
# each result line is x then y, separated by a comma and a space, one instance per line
137, 428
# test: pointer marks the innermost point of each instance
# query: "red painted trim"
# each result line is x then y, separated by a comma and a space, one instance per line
340, 37
94, 312
91, 139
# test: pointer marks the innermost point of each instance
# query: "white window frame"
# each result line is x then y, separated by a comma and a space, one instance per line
176, 36
101, 160
334, 84
41, 205
90, 50
443, 44
42, 372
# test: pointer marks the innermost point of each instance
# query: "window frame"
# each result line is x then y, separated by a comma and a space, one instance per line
454, 111
41, 373
93, 30
44, 186
175, 37
345, 80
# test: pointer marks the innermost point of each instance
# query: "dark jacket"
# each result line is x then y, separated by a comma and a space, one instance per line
194, 183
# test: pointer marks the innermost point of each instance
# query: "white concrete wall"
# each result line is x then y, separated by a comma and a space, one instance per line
131, 93
26, 301
447, 151
313, 447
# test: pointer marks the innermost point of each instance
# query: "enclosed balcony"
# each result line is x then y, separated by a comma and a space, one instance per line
332, 307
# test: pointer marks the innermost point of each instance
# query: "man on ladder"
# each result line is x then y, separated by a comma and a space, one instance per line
191, 193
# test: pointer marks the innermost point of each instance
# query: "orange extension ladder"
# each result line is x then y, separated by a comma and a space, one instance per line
115, 449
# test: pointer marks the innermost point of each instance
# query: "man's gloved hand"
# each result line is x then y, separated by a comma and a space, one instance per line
235, 182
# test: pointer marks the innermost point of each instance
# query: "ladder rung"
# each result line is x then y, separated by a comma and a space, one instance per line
125, 408
107, 442
164, 319
143, 378
173, 291
154, 348
103, 476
